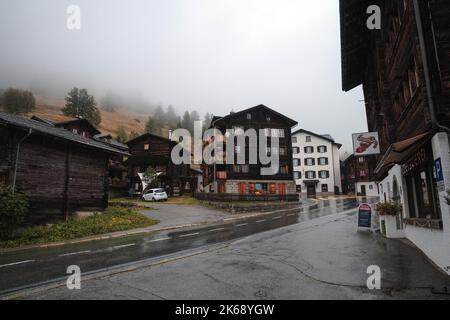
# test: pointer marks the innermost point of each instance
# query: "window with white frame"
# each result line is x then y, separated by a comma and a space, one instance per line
309, 150
322, 149
310, 162
310, 174
323, 161
324, 174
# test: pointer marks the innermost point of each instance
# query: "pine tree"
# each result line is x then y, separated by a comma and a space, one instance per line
80, 104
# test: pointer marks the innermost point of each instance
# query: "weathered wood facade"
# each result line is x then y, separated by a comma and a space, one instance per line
247, 179
61, 172
153, 151
389, 64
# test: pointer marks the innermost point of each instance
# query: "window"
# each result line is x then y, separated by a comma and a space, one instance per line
324, 188
284, 169
237, 149
275, 150
296, 162
297, 175
283, 151
261, 187
308, 139
146, 147
282, 188
242, 186
296, 150
309, 150
251, 188
361, 160
268, 118
268, 151
310, 162
422, 195
273, 188
249, 116
294, 139
322, 149
323, 161
324, 174
75, 131
241, 168
310, 174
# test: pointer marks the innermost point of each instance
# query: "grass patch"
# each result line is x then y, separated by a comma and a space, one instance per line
113, 219
184, 200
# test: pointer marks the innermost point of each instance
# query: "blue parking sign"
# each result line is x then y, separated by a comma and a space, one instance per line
438, 170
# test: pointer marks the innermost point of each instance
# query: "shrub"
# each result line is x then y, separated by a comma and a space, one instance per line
13, 208
388, 208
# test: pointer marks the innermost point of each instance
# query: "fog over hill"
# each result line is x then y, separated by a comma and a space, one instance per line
211, 56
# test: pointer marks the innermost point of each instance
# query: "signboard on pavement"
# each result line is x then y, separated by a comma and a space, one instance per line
366, 144
365, 216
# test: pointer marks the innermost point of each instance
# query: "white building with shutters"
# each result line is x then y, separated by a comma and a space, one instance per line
317, 169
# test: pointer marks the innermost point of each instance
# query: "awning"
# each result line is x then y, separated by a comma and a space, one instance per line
401, 151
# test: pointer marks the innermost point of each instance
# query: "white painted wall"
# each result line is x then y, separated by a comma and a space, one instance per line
434, 243
333, 166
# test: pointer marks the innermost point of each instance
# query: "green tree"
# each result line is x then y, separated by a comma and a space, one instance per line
121, 136
151, 126
80, 104
207, 121
13, 209
171, 117
159, 116
18, 101
186, 122
133, 135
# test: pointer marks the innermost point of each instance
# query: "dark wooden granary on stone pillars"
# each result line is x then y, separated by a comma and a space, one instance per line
60, 171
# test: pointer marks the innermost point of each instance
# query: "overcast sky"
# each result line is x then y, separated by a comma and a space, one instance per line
209, 55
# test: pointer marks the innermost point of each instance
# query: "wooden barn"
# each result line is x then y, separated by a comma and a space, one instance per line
61, 171
153, 151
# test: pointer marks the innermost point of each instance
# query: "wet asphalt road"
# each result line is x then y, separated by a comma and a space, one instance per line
37, 266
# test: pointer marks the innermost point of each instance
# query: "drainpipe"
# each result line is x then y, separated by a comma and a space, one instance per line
426, 68
17, 158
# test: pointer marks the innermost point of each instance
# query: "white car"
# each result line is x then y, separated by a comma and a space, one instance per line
155, 195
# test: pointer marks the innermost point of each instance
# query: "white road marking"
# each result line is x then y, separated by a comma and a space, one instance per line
124, 246
260, 221
74, 253
157, 240
16, 263
276, 218
189, 235
242, 225
215, 230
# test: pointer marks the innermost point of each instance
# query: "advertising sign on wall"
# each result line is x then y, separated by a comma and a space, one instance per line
366, 144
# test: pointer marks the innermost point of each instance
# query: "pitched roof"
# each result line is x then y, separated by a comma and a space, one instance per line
326, 137
149, 135
84, 121
42, 128
217, 119
108, 139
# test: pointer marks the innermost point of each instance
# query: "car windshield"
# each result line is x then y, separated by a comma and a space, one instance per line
159, 190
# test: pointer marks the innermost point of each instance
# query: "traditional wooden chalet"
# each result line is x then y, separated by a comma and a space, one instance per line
405, 72
153, 151
245, 181
61, 172
358, 177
